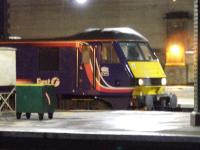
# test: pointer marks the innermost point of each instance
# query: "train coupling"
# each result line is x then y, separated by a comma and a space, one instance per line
165, 101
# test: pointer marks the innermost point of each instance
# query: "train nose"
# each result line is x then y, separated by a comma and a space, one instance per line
151, 69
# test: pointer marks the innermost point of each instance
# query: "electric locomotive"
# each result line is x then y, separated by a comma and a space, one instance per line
110, 68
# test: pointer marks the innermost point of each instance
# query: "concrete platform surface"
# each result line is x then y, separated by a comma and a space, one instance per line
185, 95
116, 125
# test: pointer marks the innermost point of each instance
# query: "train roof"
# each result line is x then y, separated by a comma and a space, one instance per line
88, 36
122, 33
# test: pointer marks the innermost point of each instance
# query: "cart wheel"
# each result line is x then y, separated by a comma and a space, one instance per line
41, 115
18, 115
28, 115
50, 115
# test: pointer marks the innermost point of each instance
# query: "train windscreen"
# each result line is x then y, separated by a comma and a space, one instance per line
137, 51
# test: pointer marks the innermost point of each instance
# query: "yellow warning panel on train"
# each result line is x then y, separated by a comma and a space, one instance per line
147, 69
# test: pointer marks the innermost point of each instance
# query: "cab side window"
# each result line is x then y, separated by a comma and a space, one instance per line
108, 54
86, 54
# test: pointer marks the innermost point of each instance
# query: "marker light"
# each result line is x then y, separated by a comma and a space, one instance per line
140, 82
163, 81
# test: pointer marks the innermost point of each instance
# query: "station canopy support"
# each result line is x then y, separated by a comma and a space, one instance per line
195, 115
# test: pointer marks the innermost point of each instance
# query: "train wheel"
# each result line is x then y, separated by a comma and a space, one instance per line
28, 115
18, 115
99, 105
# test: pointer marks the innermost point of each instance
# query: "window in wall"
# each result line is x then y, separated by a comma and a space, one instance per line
48, 59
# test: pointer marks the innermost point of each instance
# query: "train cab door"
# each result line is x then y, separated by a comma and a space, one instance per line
86, 70
112, 72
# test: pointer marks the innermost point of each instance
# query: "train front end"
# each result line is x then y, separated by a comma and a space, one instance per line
127, 72
149, 77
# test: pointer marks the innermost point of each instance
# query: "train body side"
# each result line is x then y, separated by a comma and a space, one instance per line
111, 67
63, 68
46, 65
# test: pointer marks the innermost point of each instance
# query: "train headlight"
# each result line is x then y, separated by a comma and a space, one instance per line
163, 81
141, 82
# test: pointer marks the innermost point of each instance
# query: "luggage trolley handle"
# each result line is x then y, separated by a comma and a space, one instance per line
49, 101
47, 98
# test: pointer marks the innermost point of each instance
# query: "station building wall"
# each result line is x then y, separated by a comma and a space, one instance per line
55, 18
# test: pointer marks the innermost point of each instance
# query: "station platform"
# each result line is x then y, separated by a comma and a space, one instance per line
185, 96
99, 130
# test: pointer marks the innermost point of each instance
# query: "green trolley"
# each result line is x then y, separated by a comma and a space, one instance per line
35, 98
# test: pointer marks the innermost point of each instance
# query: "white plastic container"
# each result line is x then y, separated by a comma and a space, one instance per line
7, 66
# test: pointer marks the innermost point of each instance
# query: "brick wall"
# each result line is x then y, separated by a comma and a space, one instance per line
49, 18
3, 19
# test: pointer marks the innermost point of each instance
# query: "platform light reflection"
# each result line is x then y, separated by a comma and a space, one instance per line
143, 123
